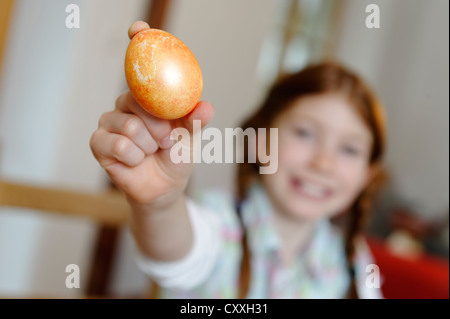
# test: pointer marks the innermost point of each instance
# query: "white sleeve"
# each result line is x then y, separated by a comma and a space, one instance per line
197, 265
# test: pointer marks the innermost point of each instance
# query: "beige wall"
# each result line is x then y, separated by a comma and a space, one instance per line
226, 37
407, 61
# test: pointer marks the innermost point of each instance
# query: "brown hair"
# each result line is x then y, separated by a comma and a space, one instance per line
326, 77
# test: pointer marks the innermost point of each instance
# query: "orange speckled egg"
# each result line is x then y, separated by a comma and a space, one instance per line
163, 75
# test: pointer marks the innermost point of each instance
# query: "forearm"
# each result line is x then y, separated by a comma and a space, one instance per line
196, 266
163, 233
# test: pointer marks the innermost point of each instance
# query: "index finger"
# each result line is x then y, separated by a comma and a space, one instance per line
160, 129
137, 27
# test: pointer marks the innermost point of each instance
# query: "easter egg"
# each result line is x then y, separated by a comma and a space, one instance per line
163, 75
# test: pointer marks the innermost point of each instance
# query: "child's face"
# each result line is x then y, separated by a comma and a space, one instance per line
323, 159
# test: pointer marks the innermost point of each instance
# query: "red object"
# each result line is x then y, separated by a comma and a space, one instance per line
424, 277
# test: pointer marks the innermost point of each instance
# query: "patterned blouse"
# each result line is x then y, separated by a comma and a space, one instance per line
319, 270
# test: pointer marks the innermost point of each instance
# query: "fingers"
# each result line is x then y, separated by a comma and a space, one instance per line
137, 27
203, 112
130, 126
110, 148
159, 129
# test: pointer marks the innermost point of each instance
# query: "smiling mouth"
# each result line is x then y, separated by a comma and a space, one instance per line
310, 190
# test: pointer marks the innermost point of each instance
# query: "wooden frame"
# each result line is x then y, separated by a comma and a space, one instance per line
109, 210
157, 13
105, 208
6, 10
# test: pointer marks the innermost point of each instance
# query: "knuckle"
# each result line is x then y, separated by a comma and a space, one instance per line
131, 127
120, 147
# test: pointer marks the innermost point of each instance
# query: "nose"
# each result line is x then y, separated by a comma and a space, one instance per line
322, 161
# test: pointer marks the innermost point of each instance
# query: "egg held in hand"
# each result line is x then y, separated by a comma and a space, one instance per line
163, 75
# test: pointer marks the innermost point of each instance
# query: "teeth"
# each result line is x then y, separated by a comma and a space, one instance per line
313, 189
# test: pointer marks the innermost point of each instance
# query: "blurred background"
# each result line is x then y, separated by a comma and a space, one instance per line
56, 81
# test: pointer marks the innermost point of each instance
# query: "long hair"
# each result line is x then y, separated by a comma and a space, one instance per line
326, 77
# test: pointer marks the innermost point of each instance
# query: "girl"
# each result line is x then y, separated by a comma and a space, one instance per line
277, 239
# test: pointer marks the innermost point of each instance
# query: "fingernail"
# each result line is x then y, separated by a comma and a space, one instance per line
166, 142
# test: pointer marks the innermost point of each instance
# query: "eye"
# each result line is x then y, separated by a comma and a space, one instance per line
304, 132
350, 150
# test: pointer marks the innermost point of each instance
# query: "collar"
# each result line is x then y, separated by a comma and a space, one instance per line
324, 249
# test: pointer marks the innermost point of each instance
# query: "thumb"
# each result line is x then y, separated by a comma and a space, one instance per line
204, 112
